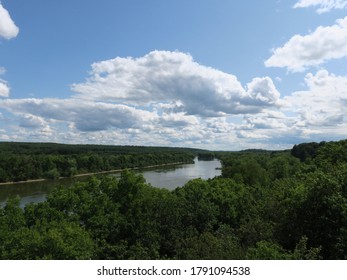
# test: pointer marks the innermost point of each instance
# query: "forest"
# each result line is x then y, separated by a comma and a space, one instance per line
28, 161
289, 205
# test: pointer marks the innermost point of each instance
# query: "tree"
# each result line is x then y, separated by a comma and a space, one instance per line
266, 250
199, 213
55, 240
323, 215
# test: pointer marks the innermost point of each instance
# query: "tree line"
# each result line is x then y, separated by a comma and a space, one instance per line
26, 161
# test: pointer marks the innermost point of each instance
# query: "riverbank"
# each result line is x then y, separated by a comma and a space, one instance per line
92, 173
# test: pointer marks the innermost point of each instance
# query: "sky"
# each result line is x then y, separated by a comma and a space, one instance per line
211, 74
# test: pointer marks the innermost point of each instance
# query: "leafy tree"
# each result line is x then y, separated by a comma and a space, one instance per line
52, 174
266, 250
57, 241
323, 215
200, 213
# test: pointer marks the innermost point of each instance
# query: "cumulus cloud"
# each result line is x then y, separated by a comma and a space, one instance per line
31, 121
315, 114
174, 77
84, 115
128, 103
323, 6
164, 98
324, 104
263, 90
4, 89
84, 121
300, 52
178, 120
273, 120
8, 28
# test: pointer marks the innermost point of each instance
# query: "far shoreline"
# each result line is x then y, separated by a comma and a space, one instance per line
89, 174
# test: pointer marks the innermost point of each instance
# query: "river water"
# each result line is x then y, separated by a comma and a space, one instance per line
168, 177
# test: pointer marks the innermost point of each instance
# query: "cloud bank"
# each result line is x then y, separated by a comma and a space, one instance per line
84, 115
324, 104
175, 78
166, 98
163, 97
301, 52
8, 28
323, 6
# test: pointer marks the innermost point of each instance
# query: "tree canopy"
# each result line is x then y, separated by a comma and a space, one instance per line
266, 205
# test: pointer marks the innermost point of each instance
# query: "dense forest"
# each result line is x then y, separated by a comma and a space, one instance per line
27, 161
266, 205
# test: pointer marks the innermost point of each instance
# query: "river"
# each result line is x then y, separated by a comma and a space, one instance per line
168, 177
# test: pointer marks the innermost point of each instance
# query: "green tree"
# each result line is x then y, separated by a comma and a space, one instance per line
54, 240
266, 250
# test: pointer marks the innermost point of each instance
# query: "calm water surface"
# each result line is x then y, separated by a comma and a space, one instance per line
164, 177
181, 174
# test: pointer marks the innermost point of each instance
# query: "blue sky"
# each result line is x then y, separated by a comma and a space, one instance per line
214, 74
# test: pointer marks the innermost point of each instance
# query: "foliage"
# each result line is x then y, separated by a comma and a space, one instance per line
266, 205
25, 161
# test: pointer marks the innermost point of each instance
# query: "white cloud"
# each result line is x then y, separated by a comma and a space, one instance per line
300, 52
268, 120
323, 6
252, 135
178, 120
263, 90
163, 98
315, 114
8, 28
83, 115
255, 117
31, 121
3, 135
324, 104
4, 89
174, 77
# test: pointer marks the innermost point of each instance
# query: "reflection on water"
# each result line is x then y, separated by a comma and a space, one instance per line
34, 191
164, 177
177, 177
